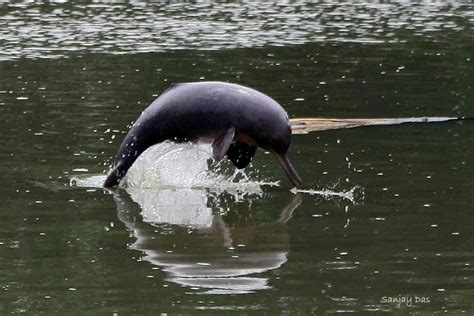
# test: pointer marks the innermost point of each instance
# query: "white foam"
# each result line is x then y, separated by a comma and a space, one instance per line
170, 166
189, 166
182, 166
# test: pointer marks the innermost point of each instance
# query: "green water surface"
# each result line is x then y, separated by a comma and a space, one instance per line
74, 75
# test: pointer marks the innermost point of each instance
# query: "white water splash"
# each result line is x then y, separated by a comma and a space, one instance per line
182, 166
88, 181
170, 166
189, 166
351, 195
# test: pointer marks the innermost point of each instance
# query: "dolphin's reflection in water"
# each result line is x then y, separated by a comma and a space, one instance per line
178, 231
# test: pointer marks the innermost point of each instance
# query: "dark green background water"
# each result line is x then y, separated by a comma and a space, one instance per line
73, 76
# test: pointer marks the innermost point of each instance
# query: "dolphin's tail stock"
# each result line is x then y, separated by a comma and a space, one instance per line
313, 124
138, 139
114, 176
131, 148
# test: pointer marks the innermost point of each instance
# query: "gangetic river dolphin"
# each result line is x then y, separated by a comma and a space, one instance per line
236, 119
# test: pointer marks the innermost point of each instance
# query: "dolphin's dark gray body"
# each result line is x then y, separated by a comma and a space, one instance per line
236, 119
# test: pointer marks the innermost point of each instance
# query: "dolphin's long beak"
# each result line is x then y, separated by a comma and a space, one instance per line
289, 170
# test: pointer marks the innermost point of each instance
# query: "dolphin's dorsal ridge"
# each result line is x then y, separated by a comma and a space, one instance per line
221, 144
172, 86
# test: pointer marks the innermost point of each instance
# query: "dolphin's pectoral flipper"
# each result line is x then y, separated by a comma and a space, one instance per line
221, 144
241, 154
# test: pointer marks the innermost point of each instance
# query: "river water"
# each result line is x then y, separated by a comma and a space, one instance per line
383, 222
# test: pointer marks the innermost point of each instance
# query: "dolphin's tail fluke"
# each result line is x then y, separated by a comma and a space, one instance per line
313, 124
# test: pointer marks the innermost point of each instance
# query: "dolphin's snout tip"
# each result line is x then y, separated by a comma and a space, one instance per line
295, 179
289, 170
297, 182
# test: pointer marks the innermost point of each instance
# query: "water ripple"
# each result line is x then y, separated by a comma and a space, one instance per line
32, 30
